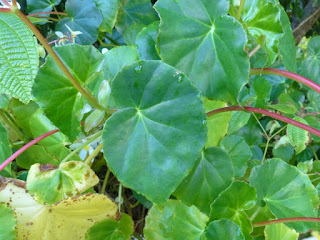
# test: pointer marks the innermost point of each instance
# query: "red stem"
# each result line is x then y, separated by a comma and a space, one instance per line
25, 147
267, 113
40, 13
5, 10
290, 75
286, 220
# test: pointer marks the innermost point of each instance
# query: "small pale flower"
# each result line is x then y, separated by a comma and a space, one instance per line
73, 33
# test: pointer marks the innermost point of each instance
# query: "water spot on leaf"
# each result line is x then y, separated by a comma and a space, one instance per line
199, 95
138, 68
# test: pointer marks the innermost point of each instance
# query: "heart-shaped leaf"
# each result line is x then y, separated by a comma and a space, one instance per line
155, 138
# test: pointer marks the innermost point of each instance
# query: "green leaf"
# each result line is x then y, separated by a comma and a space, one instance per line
310, 66
109, 10
34, 6
239, 152
5, 151
19, 58
4, 101
50, 184
210, 50
261, 88
83, 16
217, 124
67, 219
298, 137
262, 20
117, 58
283, 149
133, 12
223, 229
8, 223
146, 42
285, 104
158, 132
280, 231
287, 45
56, 95
237, 121
212, 174
232, 203
131, 33
286, 191
93, 120
169, 221
111, 229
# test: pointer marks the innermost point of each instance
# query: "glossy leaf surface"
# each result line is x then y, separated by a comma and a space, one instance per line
223, 229
109, 10
203, 49
155, 138
169, 221
212, 174
18, 58
232, 203
83, 16
57, 96
280, 231
286, 191
146, 42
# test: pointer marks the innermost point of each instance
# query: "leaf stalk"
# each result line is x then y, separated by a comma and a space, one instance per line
286, 220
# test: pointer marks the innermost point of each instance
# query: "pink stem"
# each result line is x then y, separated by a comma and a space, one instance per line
6, 3
290, 75
267, 113
286, 220
25, 147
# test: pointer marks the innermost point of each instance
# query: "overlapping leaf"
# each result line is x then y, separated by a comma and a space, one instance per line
109, 10
210, 50
57, 96
155, 138
280, 231
212, 174
111, 229
146, 42
68, 219
223, 229
18, 58
298, 137
50, 184
8, 223
83, 16
232, 203
286, 191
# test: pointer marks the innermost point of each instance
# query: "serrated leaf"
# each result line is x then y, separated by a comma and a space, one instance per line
109, 10
286, 191
68, 219
83, 16
157, 134
237, 121
203, 49
232, 203
8, 223
217, 124
60, 100
111, 229
146, 42
298, 137
262, 21
212, 174
5, 151
133, 12
280, 231
50, 184
223, 229
19, 58
310, 66
239, 152
169, 221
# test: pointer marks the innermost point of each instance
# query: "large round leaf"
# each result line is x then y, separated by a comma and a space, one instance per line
154, 140
223, 229
83, 16
286, 191
208, 45
212, 174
